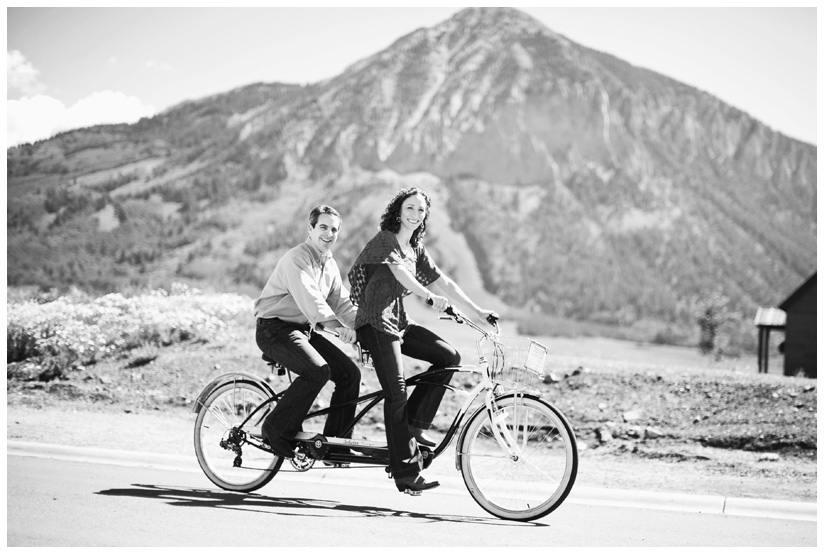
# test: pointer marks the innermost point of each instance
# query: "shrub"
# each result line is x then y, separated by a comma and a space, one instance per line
74, 330
143, 355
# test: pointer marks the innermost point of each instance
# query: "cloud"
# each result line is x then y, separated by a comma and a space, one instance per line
159, 66
30, 119
21, 76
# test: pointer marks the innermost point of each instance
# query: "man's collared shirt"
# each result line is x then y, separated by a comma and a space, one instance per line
306, 287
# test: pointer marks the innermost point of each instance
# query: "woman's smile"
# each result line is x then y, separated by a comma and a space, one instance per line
413, 211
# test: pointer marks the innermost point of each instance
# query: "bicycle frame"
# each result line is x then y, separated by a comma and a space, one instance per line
483, 369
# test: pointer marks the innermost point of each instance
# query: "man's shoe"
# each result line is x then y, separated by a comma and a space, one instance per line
422, 438
279, 446
414, 485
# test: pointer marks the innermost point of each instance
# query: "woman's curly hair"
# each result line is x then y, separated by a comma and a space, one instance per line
390, 219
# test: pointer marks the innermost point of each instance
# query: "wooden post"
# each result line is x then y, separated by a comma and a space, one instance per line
762, 353
759, 352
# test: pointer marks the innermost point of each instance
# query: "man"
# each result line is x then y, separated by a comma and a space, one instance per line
306, 290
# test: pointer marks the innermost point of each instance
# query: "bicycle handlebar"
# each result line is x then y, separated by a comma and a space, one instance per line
451, 311
456, 315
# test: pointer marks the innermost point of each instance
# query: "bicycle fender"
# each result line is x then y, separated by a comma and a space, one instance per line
230, 377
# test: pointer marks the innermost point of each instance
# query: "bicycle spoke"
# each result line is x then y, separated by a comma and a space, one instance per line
218, 413
544, 473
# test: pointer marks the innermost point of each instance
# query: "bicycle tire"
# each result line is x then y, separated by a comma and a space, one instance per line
227, 407
532, 484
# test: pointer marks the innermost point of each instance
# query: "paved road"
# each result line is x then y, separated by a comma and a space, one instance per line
92, 498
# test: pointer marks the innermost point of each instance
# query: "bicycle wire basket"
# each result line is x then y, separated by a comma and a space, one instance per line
517, 364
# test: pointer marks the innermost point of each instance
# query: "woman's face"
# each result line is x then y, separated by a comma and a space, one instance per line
413, 212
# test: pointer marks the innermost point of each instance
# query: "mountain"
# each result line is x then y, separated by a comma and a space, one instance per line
567, 182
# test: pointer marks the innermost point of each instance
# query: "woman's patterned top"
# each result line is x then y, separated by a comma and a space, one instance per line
374, 289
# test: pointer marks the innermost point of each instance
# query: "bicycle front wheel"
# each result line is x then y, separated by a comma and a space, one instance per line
223, 453
533, 477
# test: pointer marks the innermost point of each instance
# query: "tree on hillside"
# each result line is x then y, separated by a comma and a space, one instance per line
713, 314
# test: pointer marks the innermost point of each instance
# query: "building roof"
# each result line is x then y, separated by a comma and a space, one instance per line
810, 282
770, 317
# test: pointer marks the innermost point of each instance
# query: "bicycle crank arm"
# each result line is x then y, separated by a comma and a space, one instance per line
361, 451
356, 444
304, 437
342, 450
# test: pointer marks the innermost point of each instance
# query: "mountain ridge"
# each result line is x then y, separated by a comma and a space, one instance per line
649, 190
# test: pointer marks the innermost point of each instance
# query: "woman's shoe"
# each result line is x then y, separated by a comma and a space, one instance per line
414, 485
422, 438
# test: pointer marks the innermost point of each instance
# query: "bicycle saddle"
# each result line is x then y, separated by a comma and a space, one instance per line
275, 365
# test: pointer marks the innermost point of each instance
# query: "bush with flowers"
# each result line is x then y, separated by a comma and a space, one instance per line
74, 330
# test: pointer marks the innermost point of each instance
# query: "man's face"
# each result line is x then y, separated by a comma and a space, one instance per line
325, 232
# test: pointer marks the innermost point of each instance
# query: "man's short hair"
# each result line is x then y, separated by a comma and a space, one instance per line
322, 209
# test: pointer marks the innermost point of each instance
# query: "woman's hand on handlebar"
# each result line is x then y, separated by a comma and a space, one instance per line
438, 302
488, 316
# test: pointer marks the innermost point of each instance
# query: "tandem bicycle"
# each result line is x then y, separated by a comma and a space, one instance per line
516, 452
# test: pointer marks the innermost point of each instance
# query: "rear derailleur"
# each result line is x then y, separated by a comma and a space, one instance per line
232, 442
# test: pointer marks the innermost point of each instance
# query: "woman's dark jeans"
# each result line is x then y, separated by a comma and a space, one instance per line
314, 360
419, 411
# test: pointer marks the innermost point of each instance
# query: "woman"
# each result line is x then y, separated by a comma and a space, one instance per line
393, 264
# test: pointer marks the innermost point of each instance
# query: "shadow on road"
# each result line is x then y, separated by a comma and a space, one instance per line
189, 497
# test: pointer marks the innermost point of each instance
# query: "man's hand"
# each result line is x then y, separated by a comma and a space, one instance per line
439, 303
346, 335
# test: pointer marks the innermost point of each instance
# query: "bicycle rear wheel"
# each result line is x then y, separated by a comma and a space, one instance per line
219, 443
536, 477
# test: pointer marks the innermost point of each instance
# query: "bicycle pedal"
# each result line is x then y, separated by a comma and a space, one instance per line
414, 493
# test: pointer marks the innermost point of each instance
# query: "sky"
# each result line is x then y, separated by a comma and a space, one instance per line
75, 67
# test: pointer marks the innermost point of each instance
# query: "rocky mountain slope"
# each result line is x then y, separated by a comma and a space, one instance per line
583, 187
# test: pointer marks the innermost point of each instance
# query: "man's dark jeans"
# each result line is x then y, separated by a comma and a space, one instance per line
314, 360
419, 411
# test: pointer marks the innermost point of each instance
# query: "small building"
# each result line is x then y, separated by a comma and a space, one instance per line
767, 320
796, 316
800, 330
